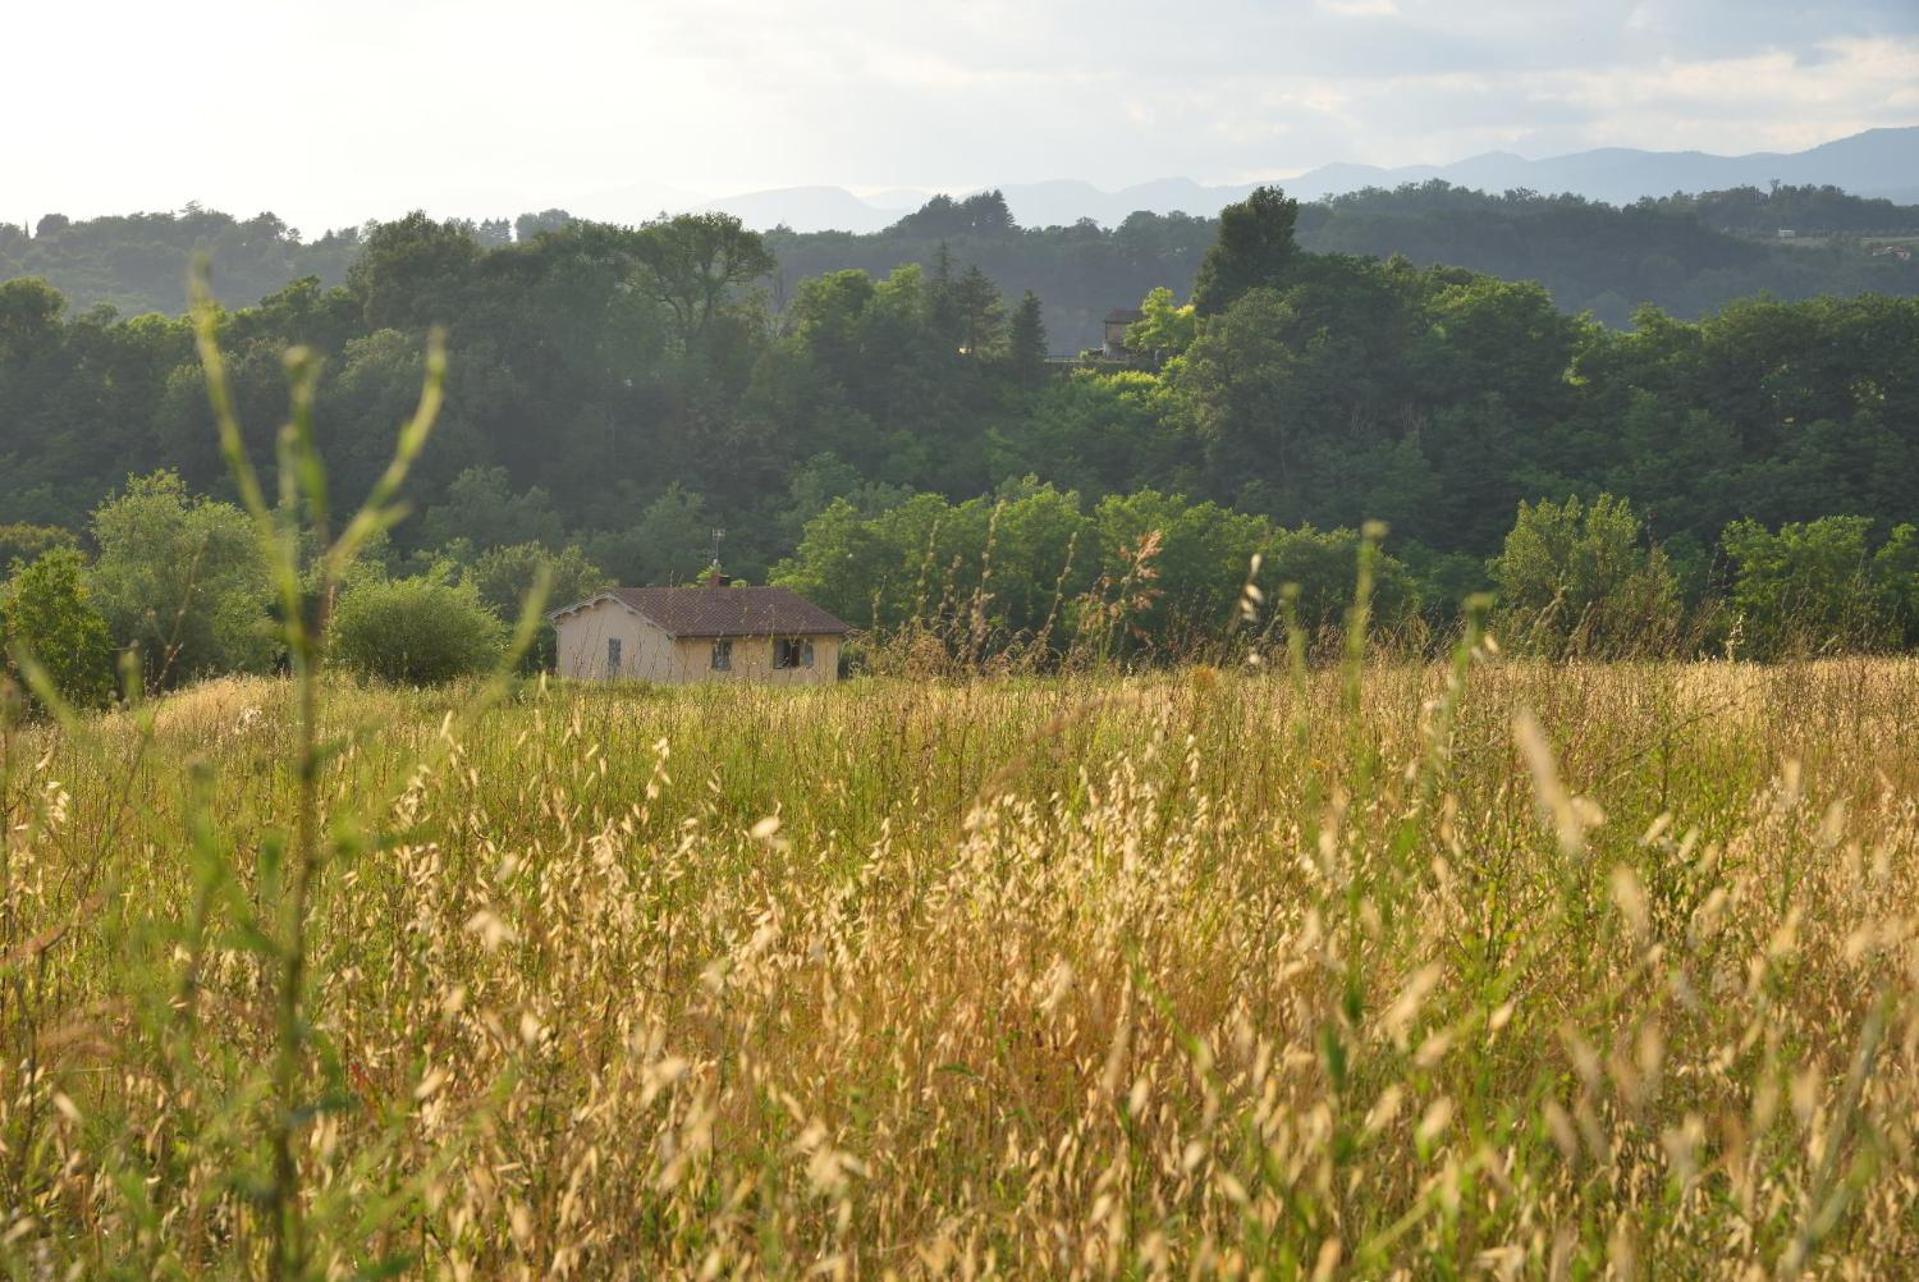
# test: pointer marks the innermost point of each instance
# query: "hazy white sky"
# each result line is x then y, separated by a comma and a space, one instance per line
330, 114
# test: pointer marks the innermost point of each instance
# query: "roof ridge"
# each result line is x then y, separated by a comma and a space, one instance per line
769, 609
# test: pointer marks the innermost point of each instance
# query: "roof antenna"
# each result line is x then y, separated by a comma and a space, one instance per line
713, 566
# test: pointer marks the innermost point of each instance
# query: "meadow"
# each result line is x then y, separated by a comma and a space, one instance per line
1493, 968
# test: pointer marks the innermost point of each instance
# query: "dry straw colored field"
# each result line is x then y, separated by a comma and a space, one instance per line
1575, 972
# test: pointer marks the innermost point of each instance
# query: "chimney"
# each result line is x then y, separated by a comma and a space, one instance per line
715, 577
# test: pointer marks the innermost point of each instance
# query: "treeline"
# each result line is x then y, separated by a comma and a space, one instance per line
1803, 210
629, 392
1081, 272
1031, 578
1687, 254
168, 587
1036, 571
138, 263
627, 388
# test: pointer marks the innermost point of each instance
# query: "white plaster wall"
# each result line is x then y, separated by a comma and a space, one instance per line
646, 653
753, 661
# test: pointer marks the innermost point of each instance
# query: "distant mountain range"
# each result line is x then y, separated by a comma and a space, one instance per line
1878, 162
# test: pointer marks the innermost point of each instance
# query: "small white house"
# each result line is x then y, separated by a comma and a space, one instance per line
714, 633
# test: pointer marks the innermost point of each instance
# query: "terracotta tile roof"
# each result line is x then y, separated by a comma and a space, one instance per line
725, 612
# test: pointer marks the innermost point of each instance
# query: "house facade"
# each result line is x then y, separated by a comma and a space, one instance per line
717, 633
1118, 321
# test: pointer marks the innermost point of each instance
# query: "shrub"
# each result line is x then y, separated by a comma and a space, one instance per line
45, 609
1896, 568
1578, 579
1812, 587
416, 631
1325, 565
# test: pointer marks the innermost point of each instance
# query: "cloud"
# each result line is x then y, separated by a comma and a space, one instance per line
1359, 8
472, 108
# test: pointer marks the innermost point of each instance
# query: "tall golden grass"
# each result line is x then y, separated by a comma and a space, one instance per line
1501, 969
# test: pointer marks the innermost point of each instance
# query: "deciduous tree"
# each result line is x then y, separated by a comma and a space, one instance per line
1255, 250
46, 613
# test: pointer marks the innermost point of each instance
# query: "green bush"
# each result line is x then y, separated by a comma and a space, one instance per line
45, 610
1579, 579
1896, 568
1325, 565
1814, 588
417, 631
181, 577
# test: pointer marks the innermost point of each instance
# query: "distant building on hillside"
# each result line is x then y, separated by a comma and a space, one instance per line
713, 633
1118, 321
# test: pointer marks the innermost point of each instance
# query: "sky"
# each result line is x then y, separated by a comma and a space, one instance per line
331, 114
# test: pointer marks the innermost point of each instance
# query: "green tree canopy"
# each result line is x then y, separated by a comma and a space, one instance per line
1026, 341
691, 261
1165, 329
23, 541
1815, 586
671, 541
413, 271
481, 507
1578, 578
1255, 250
46, 613
181, 577
943, 218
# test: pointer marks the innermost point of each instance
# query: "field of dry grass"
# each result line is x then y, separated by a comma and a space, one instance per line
1549, 972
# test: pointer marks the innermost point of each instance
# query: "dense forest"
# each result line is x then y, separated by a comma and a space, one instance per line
616, 395
138, 263
1686, 254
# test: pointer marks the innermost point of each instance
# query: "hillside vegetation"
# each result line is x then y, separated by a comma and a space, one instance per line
1685, 253
623, 392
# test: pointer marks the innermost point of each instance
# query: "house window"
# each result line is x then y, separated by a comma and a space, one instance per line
612, 655
723, 655
792, 652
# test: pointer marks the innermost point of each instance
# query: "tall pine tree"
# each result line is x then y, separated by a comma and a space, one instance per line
1026, 341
